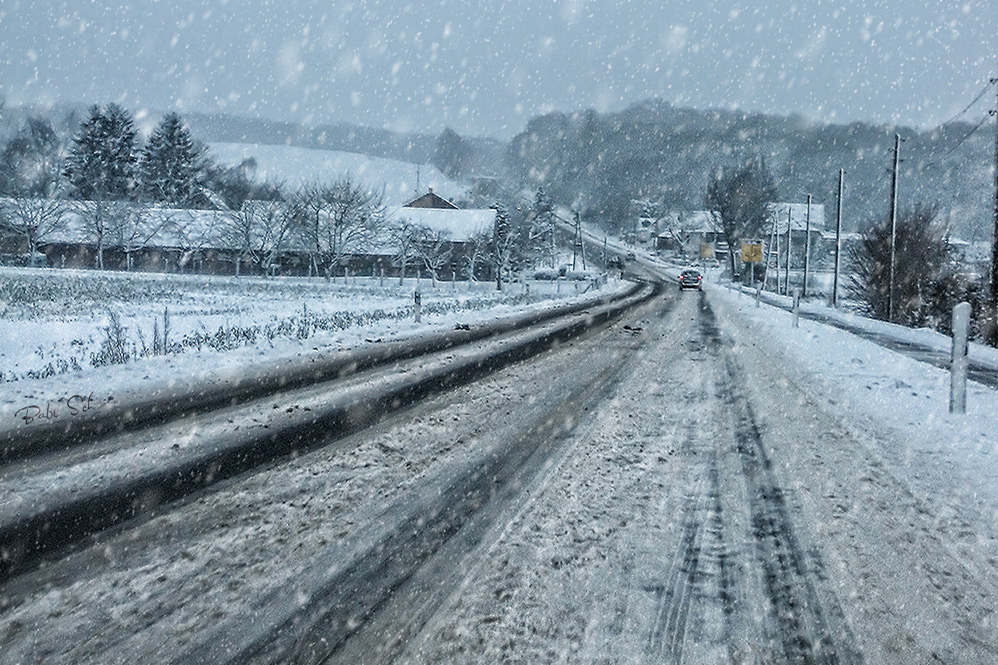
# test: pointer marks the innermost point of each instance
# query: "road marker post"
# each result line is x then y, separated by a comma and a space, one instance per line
959, 360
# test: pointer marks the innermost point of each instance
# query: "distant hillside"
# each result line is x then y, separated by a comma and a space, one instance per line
219, 128
407, 147
653, 151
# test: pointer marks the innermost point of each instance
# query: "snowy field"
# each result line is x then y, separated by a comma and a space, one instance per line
293, 166
112, 329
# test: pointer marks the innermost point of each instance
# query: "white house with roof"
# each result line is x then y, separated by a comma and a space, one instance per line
799, 217
686, 231
456, 225
438, 235
806, 225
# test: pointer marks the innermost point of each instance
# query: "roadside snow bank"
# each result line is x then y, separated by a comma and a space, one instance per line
897, 404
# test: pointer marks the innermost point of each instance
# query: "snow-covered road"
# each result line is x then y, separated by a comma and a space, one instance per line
661, 491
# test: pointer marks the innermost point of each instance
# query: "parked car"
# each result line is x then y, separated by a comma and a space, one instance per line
690, 279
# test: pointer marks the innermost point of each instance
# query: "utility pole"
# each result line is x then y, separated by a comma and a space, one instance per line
994, 235
838, 240
578, 247
894, 225
786, 282
807, 245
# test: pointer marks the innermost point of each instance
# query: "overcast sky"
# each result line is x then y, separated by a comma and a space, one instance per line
485, 67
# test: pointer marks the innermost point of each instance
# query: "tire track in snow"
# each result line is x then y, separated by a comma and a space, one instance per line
807, 628
674, 598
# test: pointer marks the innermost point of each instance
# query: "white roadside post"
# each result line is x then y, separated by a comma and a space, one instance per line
417, 301
959, 361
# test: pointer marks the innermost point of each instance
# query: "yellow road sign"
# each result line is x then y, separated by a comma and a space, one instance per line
751, 251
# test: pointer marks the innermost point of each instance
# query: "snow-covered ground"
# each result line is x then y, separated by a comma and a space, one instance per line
644, 537
902, 405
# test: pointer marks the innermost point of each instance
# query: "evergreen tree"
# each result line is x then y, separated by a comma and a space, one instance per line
503, 243
172, 167
542, 230
103, 163
29, 162
921, 255
453, 155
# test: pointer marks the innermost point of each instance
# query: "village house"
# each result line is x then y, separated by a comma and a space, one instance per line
697, 234
444, 240
448, 241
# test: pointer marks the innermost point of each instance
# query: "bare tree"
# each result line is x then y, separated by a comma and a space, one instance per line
338, 220
404, 235
199, 231
355, 216
37, 219
260, 232
504, 244
276, 225
435, 250
31, 161
103, 221
481, 245
740, 198
241, 233
130, 232
307, 207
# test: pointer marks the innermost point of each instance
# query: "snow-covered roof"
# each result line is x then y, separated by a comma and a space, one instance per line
798, 216
689, 221
458, 225
154, 227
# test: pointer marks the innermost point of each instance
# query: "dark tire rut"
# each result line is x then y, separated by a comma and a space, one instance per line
802, 624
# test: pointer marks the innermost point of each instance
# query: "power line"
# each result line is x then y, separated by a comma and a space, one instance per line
968, 134
981, 94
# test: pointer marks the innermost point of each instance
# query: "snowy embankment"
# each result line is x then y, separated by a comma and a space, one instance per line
900, 406
95, 334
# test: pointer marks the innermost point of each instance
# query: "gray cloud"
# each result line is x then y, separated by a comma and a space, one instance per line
487, 67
